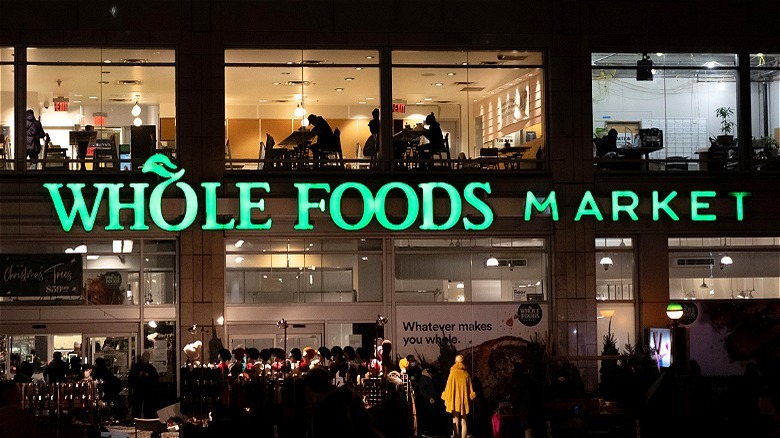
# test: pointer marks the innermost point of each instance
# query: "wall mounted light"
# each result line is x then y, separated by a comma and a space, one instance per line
674, 311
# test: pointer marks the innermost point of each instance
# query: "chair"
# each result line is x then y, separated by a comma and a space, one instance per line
333, 154
104, 156
441, 154
273, 157
150, 425
488, 158
54, 157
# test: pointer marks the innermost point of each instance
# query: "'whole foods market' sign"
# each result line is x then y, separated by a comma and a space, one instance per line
312, 196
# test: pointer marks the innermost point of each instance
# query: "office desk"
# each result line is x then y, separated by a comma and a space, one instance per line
640, 153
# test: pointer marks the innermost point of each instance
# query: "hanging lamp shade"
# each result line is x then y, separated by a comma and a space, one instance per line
136, 111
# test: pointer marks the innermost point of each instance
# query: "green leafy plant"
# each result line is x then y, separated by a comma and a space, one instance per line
769, 143
724, 113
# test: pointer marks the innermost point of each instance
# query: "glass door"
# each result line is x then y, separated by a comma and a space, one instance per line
118, 350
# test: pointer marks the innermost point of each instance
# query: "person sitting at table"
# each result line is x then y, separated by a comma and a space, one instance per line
435, 139
326, 141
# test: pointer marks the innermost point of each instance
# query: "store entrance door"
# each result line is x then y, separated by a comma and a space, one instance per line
117, 349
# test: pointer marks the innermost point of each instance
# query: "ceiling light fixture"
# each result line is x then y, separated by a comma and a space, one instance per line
239, 243
606, 262
136, 111
491, 262
725, 261
137, 121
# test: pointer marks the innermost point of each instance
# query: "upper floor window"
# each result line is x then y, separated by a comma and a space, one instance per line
765, 109
489, 105
98, 108
6, 108
270, 94
665, 111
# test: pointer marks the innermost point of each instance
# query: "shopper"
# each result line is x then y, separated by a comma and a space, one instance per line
25, 372
143, 381
326, 140
14, 421
457, 397
56, 370
34, 135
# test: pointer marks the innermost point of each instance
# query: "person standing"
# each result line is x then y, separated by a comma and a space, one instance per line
56, 370
457, 396
143, 379
326, 140
34, 135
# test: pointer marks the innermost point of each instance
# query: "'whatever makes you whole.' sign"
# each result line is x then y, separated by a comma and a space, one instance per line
312, 196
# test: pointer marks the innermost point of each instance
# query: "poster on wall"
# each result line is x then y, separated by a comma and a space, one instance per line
491, 337
41, 275
420, 329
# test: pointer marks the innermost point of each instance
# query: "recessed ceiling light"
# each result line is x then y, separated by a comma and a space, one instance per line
349, 79
438, 84
339, 89
263, 100
362, 102
289, 62
418, 103
451, 74
107, 61
464, 63
369, 57
93, 97
76, 101
77, 95
277, 83
369, 98
428, 98
358, 68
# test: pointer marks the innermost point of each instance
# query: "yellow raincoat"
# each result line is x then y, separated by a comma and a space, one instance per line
458, 391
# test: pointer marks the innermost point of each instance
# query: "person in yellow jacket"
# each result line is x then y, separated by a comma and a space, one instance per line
458, 395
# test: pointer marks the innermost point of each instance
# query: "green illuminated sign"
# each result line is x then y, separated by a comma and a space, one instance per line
350, 206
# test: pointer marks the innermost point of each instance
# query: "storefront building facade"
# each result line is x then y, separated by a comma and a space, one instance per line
522, 229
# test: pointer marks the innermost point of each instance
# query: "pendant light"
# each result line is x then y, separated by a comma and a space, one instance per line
136, 111
300, 110
606, 261
491, 262
137, 121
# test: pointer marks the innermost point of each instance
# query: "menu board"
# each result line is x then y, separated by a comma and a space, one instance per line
41, 275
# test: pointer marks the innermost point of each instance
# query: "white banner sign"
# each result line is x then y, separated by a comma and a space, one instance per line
421, 327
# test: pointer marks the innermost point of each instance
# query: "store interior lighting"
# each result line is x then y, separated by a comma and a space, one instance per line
491, 262
606, 262
122, 246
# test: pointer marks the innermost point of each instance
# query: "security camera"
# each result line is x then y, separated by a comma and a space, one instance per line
46, 104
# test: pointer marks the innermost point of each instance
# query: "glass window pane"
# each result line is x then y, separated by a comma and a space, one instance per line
6, 113
311, 271
764, 98
688, 98
457, 275
113, 91
724, 273
478, 102
272, 102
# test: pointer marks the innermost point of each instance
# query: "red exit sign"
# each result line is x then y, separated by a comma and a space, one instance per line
399, 107
61, 106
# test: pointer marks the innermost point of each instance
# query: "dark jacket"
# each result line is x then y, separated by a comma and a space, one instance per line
34, 133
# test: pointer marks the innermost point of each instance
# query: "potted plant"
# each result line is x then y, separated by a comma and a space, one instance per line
724, 113
770, 145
